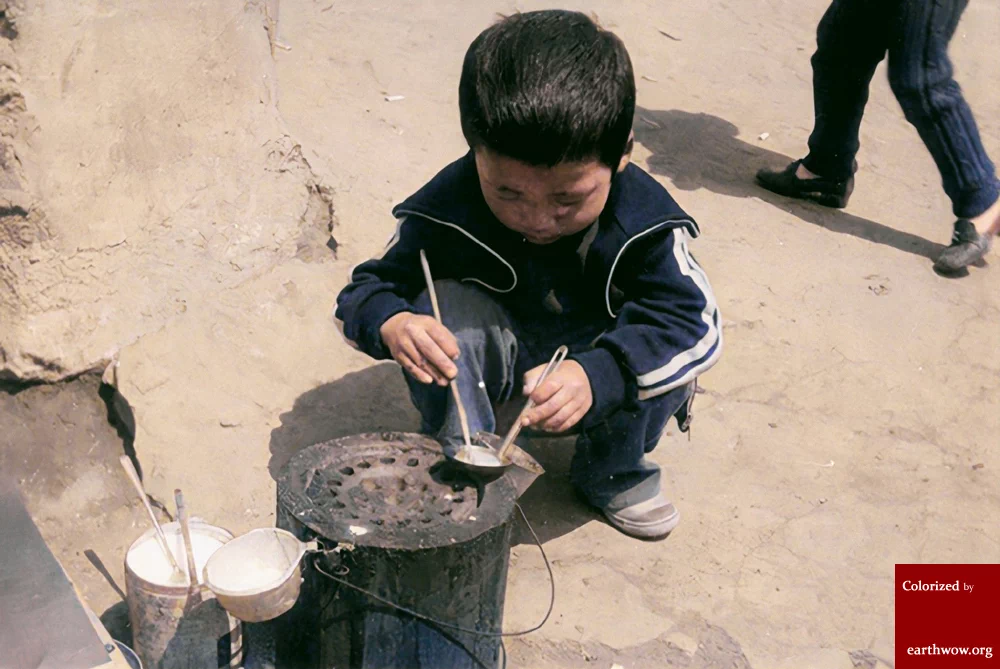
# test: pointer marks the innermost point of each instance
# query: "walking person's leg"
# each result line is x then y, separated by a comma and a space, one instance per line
920, 74
850, 43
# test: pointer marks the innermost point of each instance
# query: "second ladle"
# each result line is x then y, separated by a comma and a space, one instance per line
483, 459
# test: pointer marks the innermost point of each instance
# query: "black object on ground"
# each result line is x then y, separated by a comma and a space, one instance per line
409, 531
48, 626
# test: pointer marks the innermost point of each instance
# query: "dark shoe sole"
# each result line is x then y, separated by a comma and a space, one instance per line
834, 195
967, 248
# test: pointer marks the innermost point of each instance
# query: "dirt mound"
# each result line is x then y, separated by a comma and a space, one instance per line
142, 172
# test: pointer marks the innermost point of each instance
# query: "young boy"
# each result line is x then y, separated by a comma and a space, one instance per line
544, 235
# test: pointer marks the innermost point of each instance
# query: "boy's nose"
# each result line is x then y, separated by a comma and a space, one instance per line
542, 218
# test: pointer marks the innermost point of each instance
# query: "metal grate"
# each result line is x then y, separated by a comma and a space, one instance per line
393, 489
389, 489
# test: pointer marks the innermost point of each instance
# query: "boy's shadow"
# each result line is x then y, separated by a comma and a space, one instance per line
551, 504
703, 151
376, 399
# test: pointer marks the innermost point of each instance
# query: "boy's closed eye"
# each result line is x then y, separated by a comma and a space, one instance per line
572, 198
563, 200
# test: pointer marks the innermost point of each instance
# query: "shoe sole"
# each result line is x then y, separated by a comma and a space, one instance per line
830, 200
948, 266
652, 531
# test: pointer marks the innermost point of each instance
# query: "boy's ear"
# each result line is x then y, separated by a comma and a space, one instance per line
627, 156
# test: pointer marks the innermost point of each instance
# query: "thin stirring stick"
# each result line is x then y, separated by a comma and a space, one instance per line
133, 476
463, 419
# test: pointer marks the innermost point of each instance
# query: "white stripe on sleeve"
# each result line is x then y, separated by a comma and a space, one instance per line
689, 268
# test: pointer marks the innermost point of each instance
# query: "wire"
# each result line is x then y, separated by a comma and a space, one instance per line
466, 630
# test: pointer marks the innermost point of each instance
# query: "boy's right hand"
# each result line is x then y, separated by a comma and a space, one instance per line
424, 347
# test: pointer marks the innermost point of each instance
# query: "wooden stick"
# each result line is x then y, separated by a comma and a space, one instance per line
133, 476
462, 417
182, 518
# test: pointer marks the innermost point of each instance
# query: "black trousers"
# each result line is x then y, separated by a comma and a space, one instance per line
852, 38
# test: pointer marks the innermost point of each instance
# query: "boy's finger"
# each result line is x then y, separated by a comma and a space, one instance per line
528, 381
530, 378
546, 391
558, 418
410, 350
413, 369
445, 339
571, 421
433, 354
549, 408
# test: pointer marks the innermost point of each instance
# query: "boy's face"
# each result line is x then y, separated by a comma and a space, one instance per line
542, 203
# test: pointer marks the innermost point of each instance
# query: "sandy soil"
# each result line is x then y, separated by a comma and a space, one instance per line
851, 425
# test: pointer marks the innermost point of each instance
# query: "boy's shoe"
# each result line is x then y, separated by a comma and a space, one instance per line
967, 247
653, 519
827, 192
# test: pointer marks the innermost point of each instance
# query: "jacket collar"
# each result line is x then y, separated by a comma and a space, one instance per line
637, 202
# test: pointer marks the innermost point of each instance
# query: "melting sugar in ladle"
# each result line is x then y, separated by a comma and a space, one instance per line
462, 417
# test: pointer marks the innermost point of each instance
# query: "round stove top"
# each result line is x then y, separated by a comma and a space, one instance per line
390, 489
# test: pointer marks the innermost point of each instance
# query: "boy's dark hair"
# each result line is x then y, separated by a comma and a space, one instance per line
548, 87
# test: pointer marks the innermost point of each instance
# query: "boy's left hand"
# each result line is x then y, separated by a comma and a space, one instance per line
562, 400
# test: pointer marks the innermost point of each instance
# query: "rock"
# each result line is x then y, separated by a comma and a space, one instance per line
683, 641
158, 174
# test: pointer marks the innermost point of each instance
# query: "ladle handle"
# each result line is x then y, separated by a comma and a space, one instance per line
515, 429
462, 417
182, 518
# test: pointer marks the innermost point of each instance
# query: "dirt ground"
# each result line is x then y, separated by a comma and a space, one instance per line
852, 423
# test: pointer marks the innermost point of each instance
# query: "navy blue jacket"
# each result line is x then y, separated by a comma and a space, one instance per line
663, 326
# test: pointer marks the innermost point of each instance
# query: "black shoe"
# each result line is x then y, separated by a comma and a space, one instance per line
967, 247
827, 192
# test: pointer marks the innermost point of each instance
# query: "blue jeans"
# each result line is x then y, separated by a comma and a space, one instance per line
852, 38
609, 466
